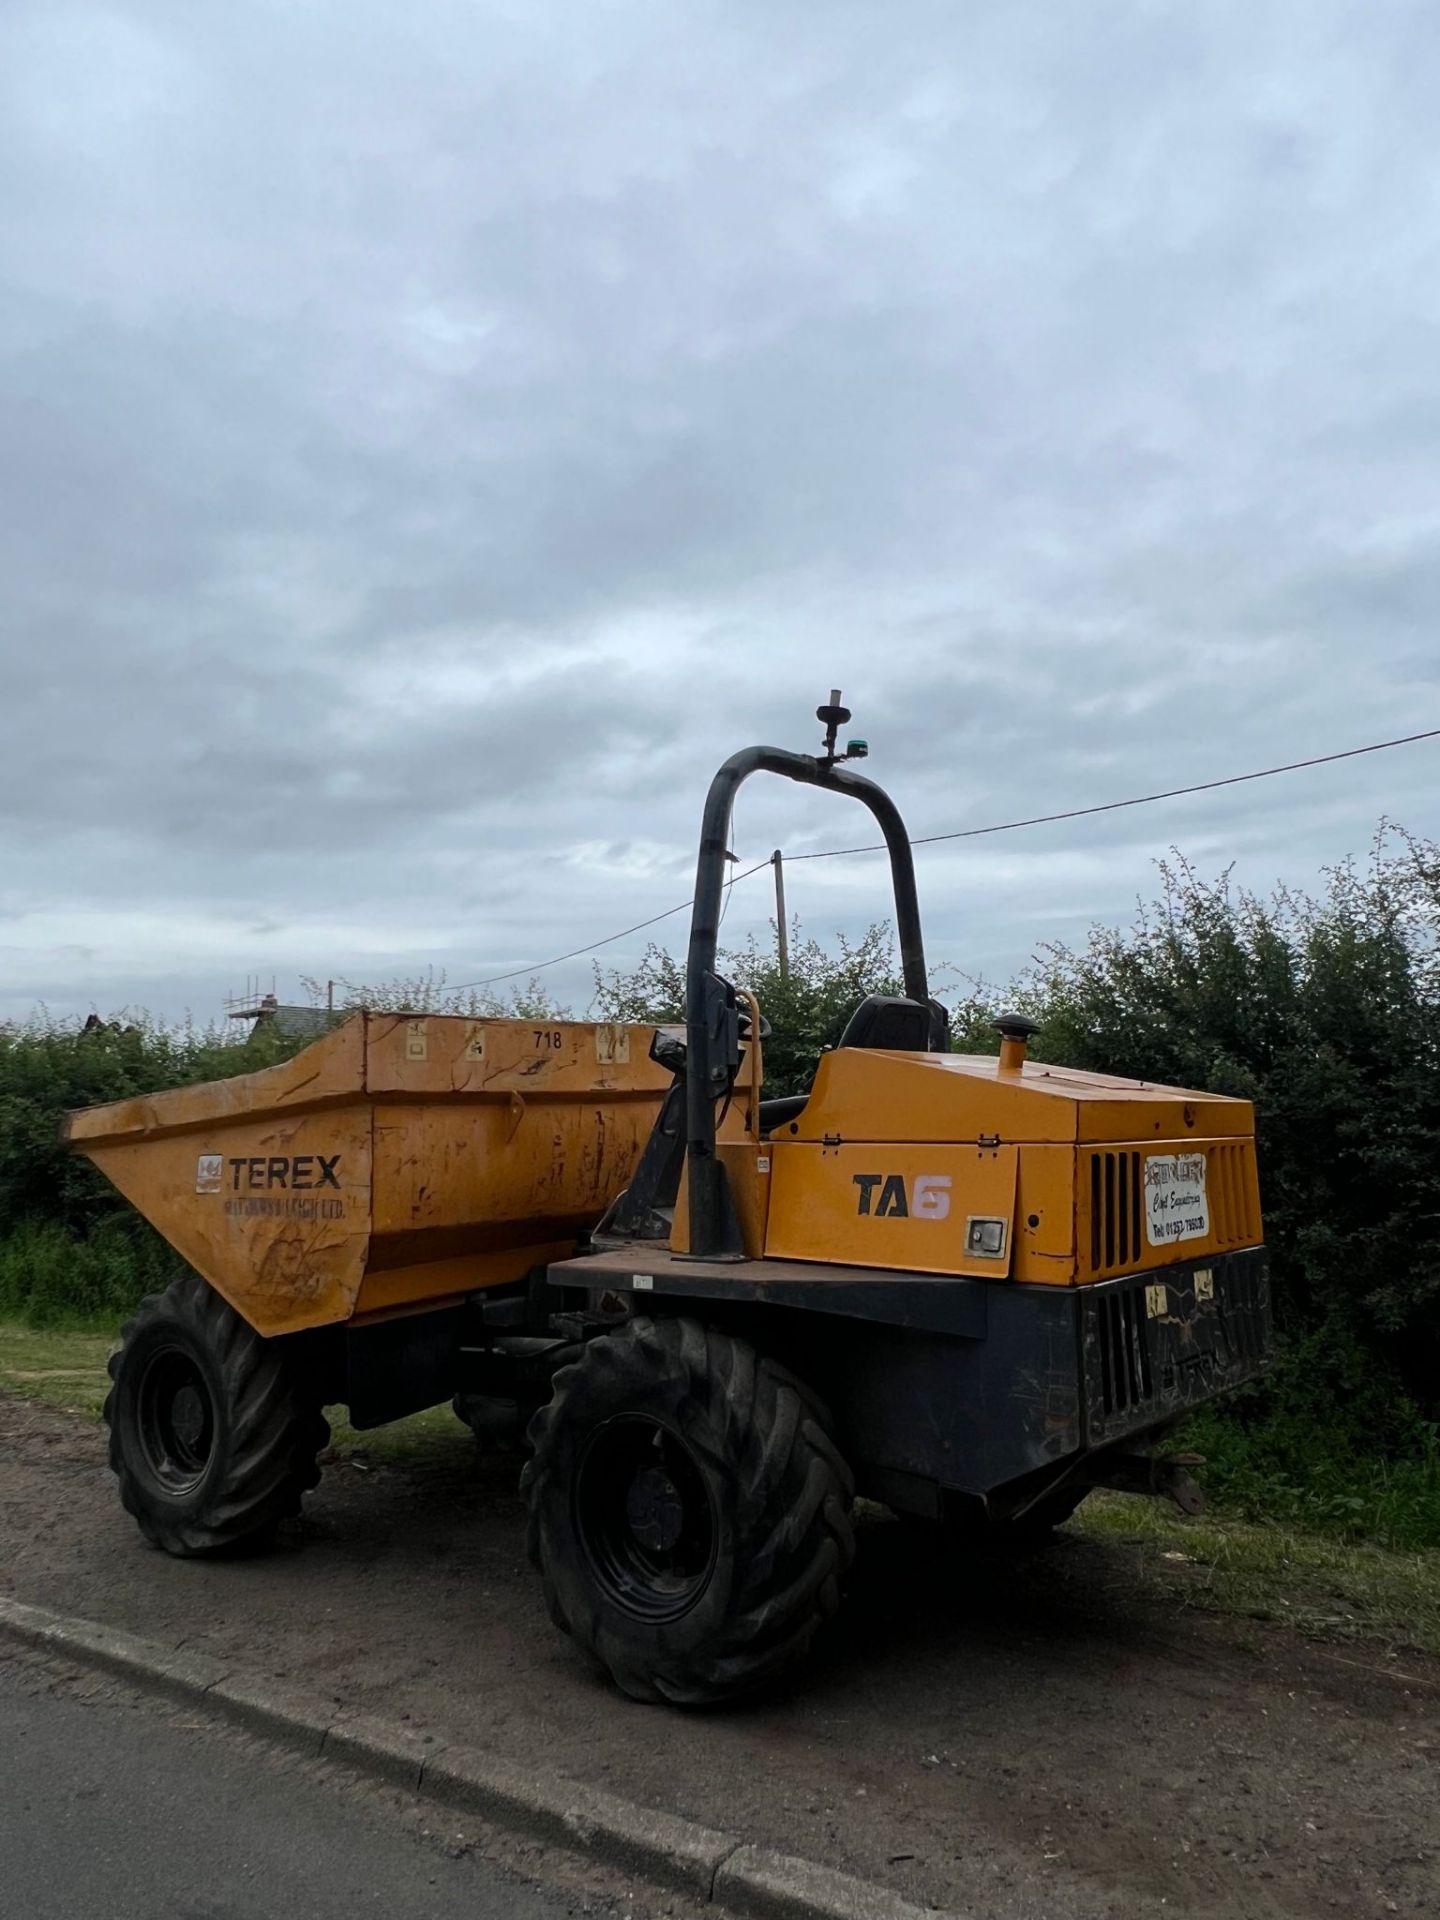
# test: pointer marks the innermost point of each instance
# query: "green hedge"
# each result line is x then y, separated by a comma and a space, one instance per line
52, 1277
1326, 1013
71, 1249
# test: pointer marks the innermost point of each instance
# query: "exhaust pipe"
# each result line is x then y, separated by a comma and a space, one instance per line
1015, 1033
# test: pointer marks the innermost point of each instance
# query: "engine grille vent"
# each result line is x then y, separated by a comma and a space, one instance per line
1232, 1211
1152, 1348
1126, 1381
1117, 1206
1115, 1202
1244, 1307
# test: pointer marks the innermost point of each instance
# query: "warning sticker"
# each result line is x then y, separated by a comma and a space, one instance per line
1176, 1205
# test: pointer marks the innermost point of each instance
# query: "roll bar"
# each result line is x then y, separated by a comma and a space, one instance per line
711, 1022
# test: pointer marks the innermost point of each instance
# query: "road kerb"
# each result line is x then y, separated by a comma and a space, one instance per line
380, 1747
662, 1846
275, 1709
702, 1861
170, 1670
778, 1886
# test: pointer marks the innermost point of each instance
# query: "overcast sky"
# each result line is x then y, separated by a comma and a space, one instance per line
432, 437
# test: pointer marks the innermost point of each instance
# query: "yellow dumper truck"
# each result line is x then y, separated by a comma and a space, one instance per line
973, 1287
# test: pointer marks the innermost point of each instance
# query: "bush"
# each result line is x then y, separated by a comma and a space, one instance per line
71, 1249
50, 1277
1326, 1013
1330, 1441
49, 1067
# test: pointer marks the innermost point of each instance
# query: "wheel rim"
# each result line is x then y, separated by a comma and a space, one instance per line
176, 1420
645, 1517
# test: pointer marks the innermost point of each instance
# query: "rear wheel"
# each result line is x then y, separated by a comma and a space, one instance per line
211, 1439
689, 1511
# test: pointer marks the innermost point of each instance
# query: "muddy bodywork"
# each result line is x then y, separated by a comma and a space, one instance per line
396, 1163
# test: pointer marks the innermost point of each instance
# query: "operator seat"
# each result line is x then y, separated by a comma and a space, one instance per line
885, 1023
893, 1025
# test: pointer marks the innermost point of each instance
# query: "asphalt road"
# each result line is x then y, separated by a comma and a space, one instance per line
117, 1810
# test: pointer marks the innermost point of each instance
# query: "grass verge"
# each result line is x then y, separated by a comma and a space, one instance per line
59, 1369
1325, 1588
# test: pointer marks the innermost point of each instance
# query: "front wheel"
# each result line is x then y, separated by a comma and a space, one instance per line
688, 1510
211, 1437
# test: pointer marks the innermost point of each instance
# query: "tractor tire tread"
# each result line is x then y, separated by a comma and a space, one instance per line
272, 1433
767, 1438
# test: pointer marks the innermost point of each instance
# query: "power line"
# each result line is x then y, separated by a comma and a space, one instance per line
1139, 800
576, 953
971, 833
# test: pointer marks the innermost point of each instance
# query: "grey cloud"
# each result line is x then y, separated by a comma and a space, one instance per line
429, 442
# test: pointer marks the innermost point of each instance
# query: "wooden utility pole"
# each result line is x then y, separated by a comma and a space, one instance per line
777, 860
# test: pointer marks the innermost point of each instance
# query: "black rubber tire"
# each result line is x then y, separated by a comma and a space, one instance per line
779, 1497
255, 1456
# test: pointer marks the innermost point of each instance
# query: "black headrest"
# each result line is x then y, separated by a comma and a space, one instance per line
897, 1026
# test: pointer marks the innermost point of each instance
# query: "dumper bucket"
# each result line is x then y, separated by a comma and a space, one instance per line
396, 1162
